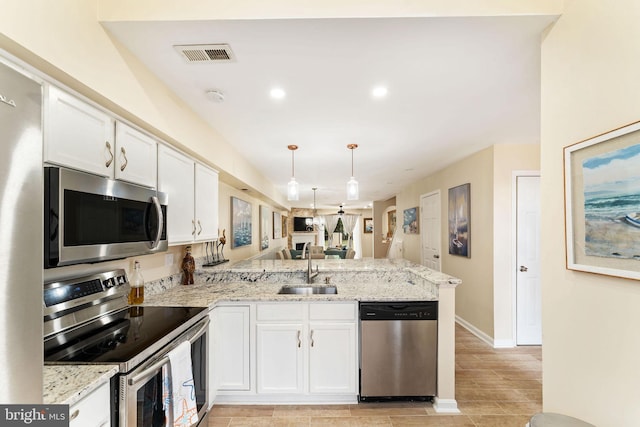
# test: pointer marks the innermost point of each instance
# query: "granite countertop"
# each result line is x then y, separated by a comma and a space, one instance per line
207, 295
67, 384
260, 280
380, 267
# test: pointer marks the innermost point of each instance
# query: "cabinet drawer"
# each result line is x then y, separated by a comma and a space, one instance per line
332, 311
275, 312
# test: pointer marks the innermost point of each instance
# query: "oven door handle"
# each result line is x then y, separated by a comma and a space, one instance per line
153, 369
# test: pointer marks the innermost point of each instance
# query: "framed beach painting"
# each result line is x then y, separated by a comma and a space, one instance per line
277, 225
241, 227
460, 220
602, 203
410, 221
265, 219
368, 225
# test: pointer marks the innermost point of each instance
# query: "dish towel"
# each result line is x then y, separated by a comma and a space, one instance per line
182, 397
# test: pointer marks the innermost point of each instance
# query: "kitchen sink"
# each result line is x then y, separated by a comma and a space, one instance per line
307, 290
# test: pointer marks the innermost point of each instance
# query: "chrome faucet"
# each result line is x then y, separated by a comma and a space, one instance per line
310, 273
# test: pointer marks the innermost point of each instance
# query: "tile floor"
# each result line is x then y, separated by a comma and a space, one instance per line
494, 388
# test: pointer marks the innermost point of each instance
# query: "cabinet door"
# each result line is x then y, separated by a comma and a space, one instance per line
206, 203
230, 357
93, 410
77, 135
136, 156
333, 365
280, 358
175, 177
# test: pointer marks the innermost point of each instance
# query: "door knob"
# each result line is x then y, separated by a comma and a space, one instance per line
523, 269
436, 256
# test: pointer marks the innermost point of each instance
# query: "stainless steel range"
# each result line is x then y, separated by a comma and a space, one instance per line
87, 321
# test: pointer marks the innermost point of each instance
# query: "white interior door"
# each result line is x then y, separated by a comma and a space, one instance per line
528, 298
430, 223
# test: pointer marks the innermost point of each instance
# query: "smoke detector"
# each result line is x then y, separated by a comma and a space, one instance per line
215, 95
206, 52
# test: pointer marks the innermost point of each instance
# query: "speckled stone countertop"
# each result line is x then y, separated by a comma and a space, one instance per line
356, 280
64, 384
260, 280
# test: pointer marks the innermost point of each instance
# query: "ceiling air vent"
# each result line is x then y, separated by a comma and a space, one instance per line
206, 52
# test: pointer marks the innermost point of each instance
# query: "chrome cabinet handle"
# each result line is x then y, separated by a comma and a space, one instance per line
523, 269
199, 225
299, 341
108, 163
74, 415
126, 161
311, 337
193, 223
156, 240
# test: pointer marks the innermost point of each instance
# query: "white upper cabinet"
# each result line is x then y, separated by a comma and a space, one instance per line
136, 156
77, 135
193, 197
206, 203
175, 177
81, 136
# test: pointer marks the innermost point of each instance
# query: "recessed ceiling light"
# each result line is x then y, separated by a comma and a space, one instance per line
277, 93
215, 95
379, 92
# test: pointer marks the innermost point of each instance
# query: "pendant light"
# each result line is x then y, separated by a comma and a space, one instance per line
292, 186
316, 218
352, 184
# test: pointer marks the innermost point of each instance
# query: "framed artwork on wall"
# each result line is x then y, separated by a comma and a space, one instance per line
368, 225
410, 221
265, 219
460, 220
391, 223
277, 225
285, 225
241, 227
602, 203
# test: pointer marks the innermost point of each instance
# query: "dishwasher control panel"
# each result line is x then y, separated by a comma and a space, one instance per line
412, 310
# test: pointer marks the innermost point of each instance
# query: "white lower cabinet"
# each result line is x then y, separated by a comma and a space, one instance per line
229, 350
293, 352
307, 349
280, 358
332, 358
93, 410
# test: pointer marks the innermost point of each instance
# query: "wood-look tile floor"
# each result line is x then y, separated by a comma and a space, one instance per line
494, 388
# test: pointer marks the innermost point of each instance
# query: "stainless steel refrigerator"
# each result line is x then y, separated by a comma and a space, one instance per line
21, 240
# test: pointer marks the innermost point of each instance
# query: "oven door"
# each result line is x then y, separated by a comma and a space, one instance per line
140, 399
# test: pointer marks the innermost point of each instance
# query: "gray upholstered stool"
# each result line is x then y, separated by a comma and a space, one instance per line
549, 419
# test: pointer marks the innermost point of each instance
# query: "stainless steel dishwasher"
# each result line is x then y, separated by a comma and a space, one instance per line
398, 349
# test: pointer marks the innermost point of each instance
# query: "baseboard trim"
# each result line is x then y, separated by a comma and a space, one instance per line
475, 331
445, 406
504, 344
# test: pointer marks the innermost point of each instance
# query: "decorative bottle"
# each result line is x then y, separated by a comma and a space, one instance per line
136, 294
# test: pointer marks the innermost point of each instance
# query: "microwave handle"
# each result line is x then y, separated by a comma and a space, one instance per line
156, 240
153, 369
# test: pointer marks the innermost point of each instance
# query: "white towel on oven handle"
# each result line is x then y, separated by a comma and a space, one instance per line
183, 391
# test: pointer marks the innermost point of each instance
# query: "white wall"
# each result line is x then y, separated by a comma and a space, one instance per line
591, 344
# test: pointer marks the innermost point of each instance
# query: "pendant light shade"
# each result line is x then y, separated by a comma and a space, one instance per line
352, 184
292, 187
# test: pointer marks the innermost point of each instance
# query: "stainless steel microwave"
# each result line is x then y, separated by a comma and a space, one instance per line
89, 218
